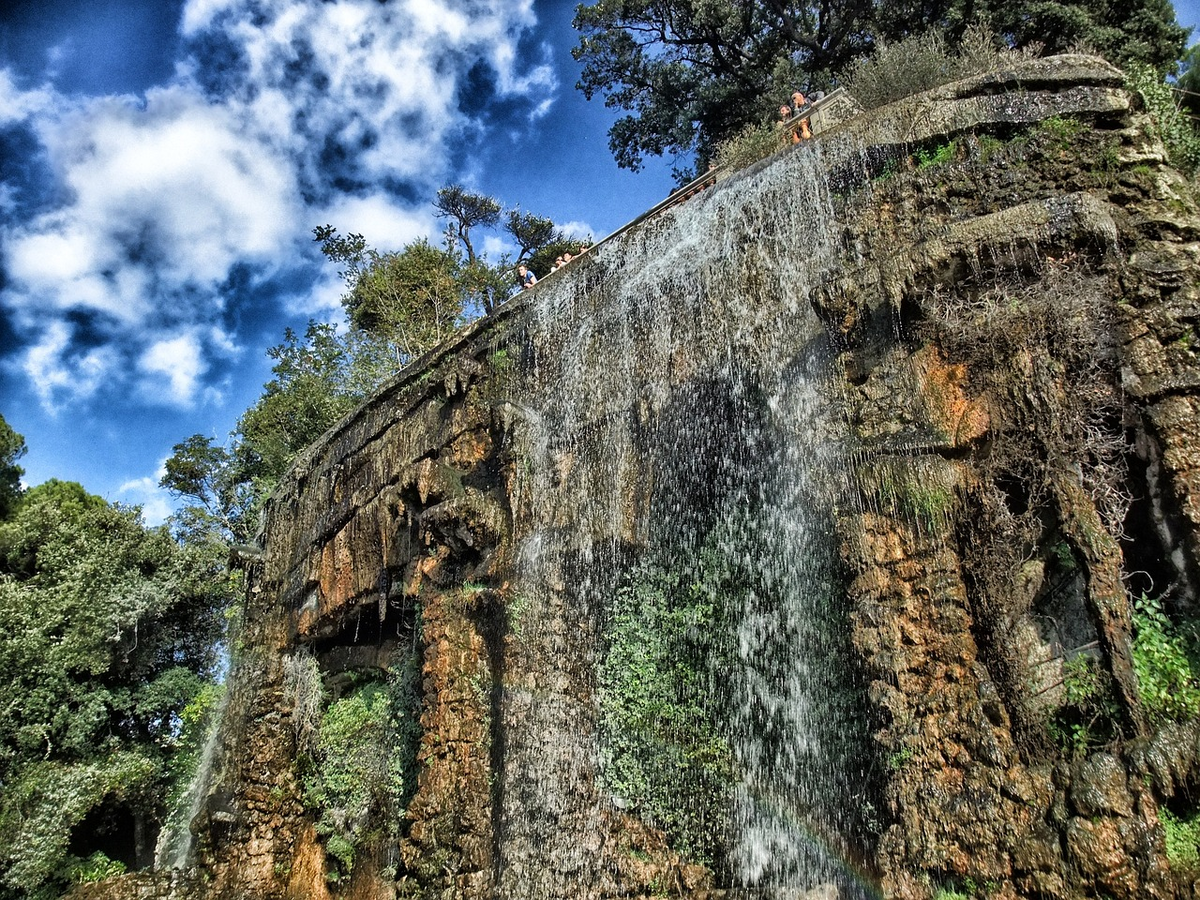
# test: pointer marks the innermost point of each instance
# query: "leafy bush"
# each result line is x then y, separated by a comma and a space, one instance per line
748, 146
48, 801
922, 62
1167, 685
664, 753
936, 155
97, 867
1087, 718
1174, 127
362, 769
1182, 838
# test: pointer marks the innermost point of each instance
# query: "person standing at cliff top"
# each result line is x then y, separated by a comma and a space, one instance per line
526, 277
800, 104
785, 116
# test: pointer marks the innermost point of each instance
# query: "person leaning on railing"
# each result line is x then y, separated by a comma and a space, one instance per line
787, 130
801, 105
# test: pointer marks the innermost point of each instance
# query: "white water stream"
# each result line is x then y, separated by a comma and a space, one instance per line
681, 389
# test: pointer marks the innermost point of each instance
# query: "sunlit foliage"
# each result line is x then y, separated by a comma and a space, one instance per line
111, 630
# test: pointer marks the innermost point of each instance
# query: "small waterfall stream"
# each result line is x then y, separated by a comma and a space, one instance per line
682, 441
174, 849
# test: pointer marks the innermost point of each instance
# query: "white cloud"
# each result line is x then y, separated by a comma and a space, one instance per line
384, 224
58, 374
179, 361
579, 229
16, 105
495, 245
330, 108
165, 200
199, 14
145, 492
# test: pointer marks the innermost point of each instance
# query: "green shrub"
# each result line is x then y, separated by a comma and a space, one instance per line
1182, 838
1087, 718
935, 156
1166, 683
96, 867
748, 146
659, 718
52, 798
1174, 127
362, 769
922, 62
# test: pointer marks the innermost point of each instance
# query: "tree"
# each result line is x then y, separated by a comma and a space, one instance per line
1189, 81
467, 210
413, 298
111, 629
12, 448
531, 232
220, 507
692, 73
1144, 31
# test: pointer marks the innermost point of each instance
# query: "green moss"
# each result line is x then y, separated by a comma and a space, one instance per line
515, 609
1063, 130
910, 495
989, 146
1162, 659
899, 759
935, 155
1182, 835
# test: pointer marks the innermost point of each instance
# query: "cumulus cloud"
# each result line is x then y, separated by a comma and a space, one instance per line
17, 105
145, 492
179, 361
384, 223
161, 210
59, 369
357, 91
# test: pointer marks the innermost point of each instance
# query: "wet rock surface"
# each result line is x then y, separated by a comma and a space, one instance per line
979, 323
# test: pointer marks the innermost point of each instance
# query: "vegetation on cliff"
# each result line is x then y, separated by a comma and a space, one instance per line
667, 756
115, 625
691, 74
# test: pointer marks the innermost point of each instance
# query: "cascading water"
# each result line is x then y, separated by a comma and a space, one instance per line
678, 553
174, 848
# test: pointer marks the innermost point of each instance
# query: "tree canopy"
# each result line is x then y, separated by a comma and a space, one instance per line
111, 630
466, 210
12, 448
691, 73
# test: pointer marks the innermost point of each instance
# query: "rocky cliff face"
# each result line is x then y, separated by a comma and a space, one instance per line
787, 544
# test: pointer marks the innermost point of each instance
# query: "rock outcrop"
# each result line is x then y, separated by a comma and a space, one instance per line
926, 422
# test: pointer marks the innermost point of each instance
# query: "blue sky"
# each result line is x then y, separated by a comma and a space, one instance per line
163, 162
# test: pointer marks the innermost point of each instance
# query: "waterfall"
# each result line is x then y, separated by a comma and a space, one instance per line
174, 847
682, 437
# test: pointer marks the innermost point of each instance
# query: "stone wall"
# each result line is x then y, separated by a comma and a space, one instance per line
999, 329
